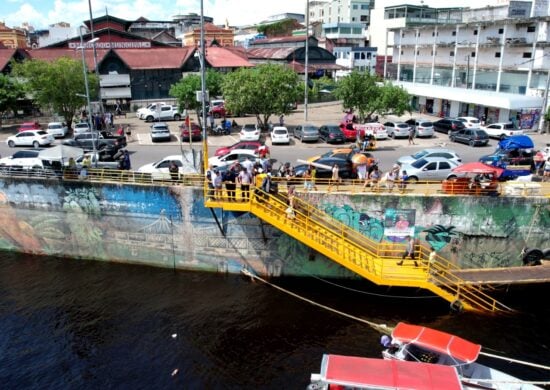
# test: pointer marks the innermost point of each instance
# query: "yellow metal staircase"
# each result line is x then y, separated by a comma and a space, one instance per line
374, 261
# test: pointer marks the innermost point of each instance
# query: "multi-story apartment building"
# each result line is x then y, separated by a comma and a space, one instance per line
492, 64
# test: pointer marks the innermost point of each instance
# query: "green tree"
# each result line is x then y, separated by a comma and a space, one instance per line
363, 93
10, 91
185, 90
57, 85
265, 90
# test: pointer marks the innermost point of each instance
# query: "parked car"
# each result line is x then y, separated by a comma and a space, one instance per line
279, 135
397, 129
35, 138
341, 153
106, 146
448, 154
250, 132
166, 112
23, 159
196, 132
345, 168
232, 157
160, 132
501, 130
140, 113
29, 126
422, 127
448, 125
57, 129
81, 127
470, 122
375, 129
306, 133
250, 145
331, 134
472, 137
159, 169
431, 168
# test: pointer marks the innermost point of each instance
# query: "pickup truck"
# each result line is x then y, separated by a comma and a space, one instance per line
501, 130
166, 112
105, 143
97, 162
151, 106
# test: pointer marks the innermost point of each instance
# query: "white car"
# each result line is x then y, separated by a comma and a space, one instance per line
81, 127
250, 133
501, 130
25, 159
160, 169
422, 127
57, 129
236, 155
34, 138
471, 122
279, 135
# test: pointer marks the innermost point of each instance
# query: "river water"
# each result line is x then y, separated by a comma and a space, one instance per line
69, 324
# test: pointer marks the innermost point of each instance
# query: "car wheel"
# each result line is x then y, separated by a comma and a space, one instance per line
502, 136
451, 177
35, 145
149, 119
177, 117
216, 115
392, 135
449, 132
472, 143
11, 144
412, 179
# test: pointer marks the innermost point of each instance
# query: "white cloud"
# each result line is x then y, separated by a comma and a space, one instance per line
26, 13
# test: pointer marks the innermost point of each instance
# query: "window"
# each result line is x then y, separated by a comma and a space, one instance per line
356, 56
501, 31
452, 53
354, 6
402, 35
530, 28
497, 54
418, 52
353, 19
418, 33
433, 33
473, 54
475, 31
364, 6
454, 34
526, 55
401, 52
364, 18
444, 165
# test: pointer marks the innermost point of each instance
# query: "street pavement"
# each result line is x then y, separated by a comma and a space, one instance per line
144, 151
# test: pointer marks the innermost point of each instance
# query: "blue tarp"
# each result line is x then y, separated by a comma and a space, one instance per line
516, 142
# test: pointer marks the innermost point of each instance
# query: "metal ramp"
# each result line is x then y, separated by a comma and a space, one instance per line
374, 261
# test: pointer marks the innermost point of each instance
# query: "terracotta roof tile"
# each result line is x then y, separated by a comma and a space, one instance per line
220, 57
5, 57
278, 53
155, 58
298, 38
52, 54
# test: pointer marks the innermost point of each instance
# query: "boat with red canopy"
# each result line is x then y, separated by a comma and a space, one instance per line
422, 344
344, 372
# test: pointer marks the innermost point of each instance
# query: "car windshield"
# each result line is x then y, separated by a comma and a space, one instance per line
160, 128
54, 126
419, 163
420, 154
402, 125
281, 132
473, 120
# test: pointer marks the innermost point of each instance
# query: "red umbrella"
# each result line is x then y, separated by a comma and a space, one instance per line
478, 167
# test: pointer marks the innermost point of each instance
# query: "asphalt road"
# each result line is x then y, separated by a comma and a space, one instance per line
143, 151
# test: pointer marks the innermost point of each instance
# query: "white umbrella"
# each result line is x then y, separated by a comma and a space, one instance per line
60, 152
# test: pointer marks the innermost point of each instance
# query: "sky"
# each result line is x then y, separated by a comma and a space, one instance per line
42, 13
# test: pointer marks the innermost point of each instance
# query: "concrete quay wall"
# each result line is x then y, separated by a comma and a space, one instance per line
170, 227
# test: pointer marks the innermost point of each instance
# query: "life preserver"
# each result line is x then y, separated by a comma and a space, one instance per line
457, 306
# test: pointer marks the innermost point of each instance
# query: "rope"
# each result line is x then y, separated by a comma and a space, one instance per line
382, 328
372, 294
516, 361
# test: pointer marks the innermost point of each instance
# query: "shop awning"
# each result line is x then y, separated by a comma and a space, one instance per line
116, 93
510, 101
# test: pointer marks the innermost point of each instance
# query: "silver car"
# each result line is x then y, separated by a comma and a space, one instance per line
397, 129
160, 132
422, 127
430, 169
306, 133
449, 154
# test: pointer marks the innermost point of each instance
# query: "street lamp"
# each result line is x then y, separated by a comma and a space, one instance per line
85, 71
202, 58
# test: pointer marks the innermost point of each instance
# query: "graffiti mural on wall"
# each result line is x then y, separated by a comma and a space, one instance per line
471, 232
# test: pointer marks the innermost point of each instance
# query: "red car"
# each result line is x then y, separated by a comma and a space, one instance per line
250, 145
196, 132
350, 134
29, 126
219, 111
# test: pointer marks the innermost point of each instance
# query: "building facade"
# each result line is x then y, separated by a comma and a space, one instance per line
492, 68
12, 38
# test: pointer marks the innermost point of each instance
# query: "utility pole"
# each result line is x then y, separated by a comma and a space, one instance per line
306, 75
544, 109
202, 57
